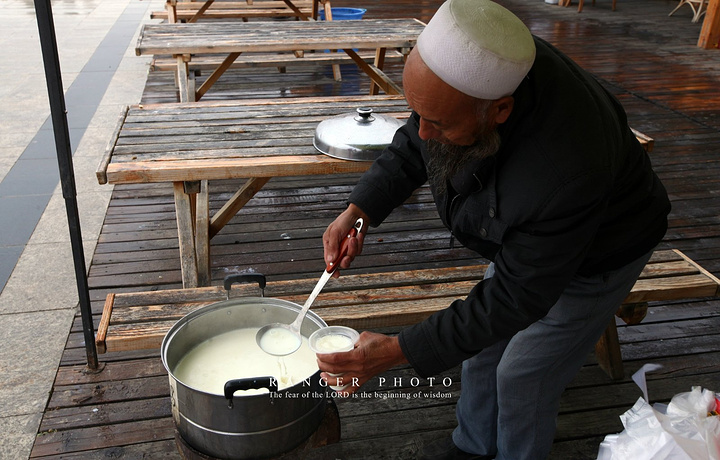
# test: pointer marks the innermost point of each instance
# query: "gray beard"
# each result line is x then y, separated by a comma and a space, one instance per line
447, 160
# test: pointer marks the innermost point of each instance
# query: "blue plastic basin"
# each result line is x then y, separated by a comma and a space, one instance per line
344, 14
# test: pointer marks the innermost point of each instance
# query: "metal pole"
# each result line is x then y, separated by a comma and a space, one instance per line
48, 44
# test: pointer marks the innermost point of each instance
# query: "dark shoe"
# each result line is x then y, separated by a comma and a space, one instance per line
445, 449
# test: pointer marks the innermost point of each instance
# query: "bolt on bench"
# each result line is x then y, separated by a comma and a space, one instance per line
132, 321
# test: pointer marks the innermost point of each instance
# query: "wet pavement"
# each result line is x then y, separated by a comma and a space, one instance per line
100, 74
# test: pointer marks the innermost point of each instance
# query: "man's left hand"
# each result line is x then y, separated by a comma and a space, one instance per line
374, 353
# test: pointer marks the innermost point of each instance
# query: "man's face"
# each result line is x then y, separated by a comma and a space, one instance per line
447, 115
457, 127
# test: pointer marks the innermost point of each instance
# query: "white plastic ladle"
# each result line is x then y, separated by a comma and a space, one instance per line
281, 339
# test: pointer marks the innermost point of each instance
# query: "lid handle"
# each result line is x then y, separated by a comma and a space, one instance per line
364, 115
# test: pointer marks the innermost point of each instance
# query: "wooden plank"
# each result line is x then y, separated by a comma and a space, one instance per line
217, 37
141, 171
123, 370
701, 270
209, 62
186, 239
234, 204
91, 394
55, 443
100, 173
387, 299
147, 449
672, 288
217, 73
646, 141
101, 335
710, 32
202, 237
107, 413
186, 93
378, 77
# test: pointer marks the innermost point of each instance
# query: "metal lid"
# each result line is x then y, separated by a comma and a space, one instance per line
362, 136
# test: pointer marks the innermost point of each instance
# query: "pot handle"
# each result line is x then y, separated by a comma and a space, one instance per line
253, 383
258, 278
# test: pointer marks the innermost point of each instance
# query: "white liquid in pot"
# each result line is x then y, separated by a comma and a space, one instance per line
235, 355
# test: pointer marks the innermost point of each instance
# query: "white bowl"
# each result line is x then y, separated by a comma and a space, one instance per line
333, 339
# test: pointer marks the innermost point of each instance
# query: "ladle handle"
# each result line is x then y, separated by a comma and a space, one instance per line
344, 246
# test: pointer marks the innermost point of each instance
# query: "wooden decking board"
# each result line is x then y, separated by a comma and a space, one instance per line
671, 91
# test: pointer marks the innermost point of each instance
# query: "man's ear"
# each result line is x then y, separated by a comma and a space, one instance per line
501, 109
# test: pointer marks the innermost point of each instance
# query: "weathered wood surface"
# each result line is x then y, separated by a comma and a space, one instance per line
222, 140
234, 10
210, 62
671, 91
365, 301
710, 32
264, 36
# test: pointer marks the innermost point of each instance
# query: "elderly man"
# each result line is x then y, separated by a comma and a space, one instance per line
531, 164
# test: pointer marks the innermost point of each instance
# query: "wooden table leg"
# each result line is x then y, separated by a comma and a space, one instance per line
202, 237
710, 32
182, 78
217, 73
380, 64
198, 14
337, 75
300, 15
607, 352
375, 74
186, 237
234, 204
171, 7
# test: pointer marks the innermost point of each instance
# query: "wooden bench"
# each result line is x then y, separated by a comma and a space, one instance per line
132, 321
280, 60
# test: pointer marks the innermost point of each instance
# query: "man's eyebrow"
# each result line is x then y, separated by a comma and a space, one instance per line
435, 122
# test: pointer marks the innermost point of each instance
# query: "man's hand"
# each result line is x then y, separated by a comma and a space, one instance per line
374, 353
337, 232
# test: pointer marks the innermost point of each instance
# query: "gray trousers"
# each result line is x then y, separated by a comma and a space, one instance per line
511, 391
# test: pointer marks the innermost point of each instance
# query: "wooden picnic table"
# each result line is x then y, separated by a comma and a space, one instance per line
184, 41
190, 144
191, 11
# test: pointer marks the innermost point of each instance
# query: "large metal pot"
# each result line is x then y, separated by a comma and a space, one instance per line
232, 425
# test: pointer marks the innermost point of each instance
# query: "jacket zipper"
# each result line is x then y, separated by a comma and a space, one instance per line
448, 214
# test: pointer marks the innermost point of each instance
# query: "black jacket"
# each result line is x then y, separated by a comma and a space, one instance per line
570, 192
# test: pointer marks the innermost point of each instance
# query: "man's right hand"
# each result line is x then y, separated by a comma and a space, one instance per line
337, 232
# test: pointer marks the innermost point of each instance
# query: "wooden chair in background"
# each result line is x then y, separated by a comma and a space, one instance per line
698, 6
582, 2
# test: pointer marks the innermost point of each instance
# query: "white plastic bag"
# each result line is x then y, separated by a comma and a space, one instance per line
682, 430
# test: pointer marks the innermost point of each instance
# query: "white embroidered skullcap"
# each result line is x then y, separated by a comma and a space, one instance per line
478, 47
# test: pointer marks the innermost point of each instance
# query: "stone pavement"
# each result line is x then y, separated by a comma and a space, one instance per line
101, 74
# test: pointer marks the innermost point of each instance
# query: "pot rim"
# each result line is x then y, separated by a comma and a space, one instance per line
210, 308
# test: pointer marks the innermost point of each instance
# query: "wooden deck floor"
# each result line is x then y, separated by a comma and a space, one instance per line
671, 91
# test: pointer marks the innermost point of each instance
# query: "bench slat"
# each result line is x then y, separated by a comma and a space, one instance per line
203, 62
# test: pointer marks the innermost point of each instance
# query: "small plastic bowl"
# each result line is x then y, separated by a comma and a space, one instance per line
333, 339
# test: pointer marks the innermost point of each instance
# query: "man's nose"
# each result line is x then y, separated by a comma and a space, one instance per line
427, 131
